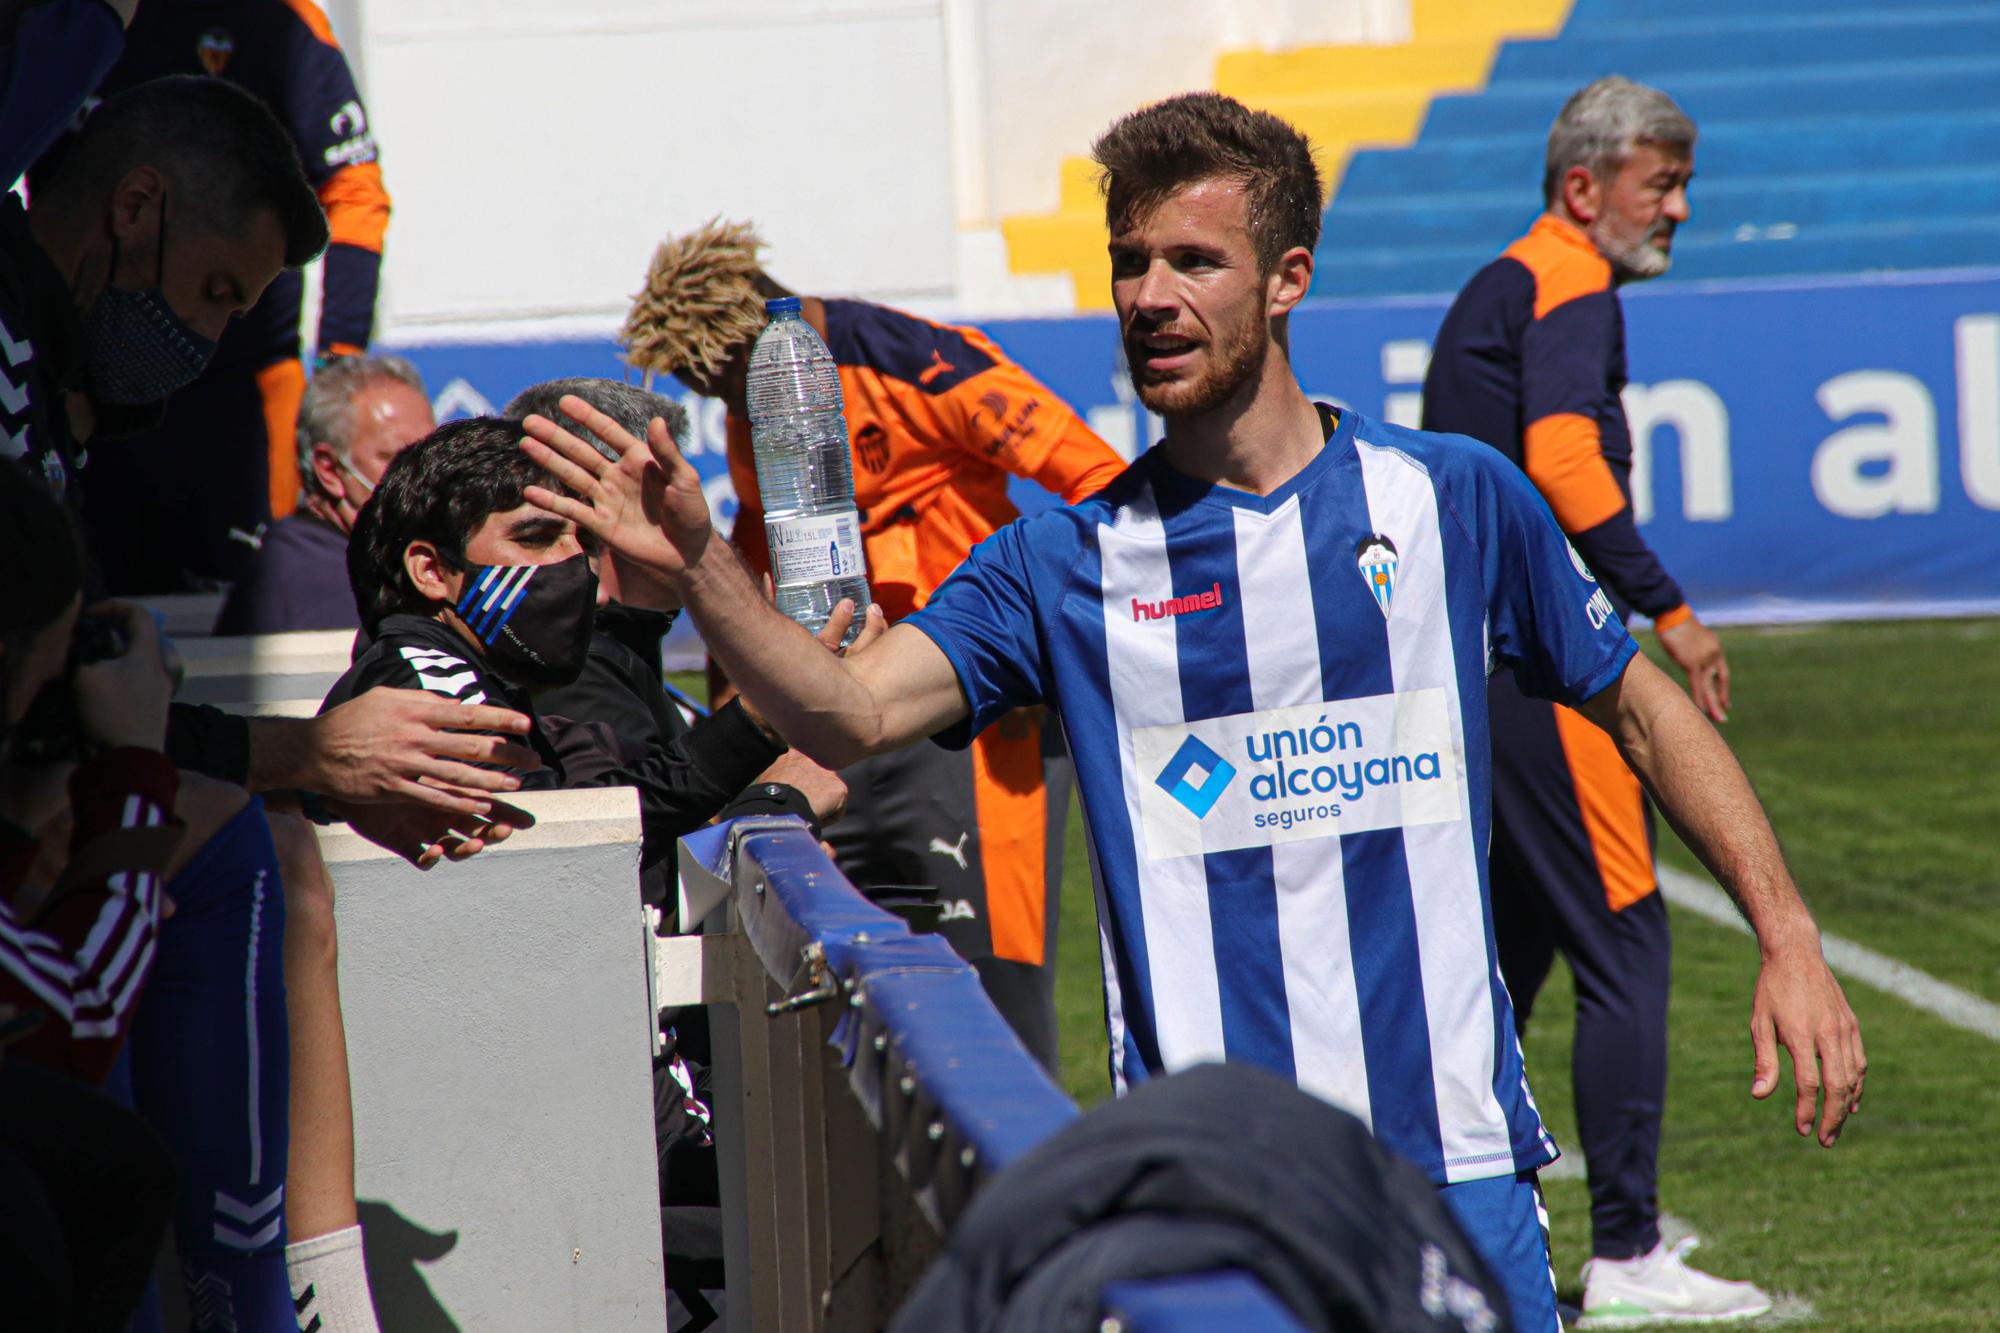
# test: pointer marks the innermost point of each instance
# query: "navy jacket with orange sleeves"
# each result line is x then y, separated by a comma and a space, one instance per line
284, 51
1531, 360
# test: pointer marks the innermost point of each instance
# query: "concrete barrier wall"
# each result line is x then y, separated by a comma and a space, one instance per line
237, 673
498, 1030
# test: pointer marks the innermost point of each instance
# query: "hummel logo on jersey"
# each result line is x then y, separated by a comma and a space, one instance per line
435, 672
1176, 779
1376, 555
1178, 606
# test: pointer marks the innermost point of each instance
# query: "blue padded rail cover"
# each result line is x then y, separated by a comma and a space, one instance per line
973, 1073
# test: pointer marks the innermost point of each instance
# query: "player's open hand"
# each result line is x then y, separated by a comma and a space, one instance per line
1801, 1007
1697, 651
424, 835
647, 507
415, 746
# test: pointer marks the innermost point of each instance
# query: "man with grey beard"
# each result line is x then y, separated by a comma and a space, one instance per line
1531, 359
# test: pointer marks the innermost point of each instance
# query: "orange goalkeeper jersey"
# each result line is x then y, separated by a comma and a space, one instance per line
937, 418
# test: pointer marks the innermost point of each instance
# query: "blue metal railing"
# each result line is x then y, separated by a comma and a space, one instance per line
937, 1070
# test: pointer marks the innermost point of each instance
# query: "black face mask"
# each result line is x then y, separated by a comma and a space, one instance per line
137, 350
533, 620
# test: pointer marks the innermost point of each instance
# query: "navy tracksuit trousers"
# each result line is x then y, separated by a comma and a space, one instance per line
1572, 870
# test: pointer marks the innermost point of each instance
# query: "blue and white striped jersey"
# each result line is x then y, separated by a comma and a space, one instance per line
1277, 708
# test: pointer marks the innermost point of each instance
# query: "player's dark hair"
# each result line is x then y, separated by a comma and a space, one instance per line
223, 152
1152, 153
438, 490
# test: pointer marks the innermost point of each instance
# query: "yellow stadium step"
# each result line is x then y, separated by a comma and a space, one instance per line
1462, 64
1079, 187
1342, 98
1067, 242
1497, 20
1339, 122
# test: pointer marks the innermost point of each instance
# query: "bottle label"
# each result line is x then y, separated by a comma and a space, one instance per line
816, 547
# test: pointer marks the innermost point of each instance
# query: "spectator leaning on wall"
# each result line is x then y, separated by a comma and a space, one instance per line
468, 592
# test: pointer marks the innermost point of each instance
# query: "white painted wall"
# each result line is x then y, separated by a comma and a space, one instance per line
537, 154
1058, 72
498, 1022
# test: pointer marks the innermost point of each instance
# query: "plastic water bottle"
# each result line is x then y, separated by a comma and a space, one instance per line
798, 431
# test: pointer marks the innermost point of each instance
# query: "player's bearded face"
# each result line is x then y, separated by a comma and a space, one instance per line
1191, 300
1642, 205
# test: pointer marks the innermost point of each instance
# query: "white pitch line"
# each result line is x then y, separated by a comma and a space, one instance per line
1959, 1008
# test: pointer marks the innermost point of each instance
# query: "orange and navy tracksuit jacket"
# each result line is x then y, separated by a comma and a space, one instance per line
1531, 360
283, 51
939, 418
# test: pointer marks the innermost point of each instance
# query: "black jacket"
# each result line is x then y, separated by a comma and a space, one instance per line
1216, 1168
684, 780
41, 361
620, 684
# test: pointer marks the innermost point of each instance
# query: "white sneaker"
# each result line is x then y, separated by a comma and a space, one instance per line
1659, 1288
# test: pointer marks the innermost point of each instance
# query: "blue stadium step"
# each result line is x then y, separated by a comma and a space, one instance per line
1593, 15
1731, 149
1838, 38
1720, 206
1963, 83
1937, 243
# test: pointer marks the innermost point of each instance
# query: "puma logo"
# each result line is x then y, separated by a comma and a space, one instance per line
938, 366
955, 850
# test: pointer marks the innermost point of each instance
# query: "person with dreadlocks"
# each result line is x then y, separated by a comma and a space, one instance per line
938, 419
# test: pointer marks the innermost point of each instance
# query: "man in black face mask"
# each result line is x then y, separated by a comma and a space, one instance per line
168, 218
469, 592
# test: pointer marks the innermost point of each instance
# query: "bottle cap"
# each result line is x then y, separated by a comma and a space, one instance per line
783, 305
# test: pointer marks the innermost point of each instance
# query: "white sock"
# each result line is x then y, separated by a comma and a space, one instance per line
330, 1284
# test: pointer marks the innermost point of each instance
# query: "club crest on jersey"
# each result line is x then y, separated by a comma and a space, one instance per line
213, 49
1376, 555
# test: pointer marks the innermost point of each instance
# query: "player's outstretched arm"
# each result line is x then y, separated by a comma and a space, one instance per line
648, 508
1704, 794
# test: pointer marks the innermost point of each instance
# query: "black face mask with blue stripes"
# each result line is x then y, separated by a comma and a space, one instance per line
533, 620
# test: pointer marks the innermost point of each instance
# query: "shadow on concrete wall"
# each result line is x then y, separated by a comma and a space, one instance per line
404, 1301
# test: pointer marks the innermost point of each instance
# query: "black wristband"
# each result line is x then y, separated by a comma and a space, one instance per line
773, 798
313, 806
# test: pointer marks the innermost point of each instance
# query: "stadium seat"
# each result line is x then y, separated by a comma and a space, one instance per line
1836, 137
